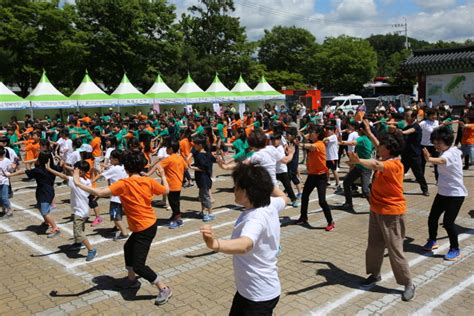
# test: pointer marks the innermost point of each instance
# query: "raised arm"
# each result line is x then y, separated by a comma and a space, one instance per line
239, 245
56, 173
100, 192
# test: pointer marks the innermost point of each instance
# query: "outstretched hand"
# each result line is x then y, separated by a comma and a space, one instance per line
353, 158
426, 154
208, 236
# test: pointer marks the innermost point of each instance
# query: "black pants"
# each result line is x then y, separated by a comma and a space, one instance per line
244, 307
318, 181
286, 181
414, 163
173, 199
187, 176
433, 153
450, 205
136, 250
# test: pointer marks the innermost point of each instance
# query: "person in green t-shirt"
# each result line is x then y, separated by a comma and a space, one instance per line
13, 139
364, 149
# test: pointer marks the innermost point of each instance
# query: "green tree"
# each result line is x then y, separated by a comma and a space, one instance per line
135, 36
36, 35
344, 64
214, 41
289, 49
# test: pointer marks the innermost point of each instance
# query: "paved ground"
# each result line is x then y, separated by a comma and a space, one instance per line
319, 270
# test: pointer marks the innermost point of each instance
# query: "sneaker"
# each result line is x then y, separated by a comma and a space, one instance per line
301, 221
299, 195
409, 293
338, 189
453, 254
176, 224
212, 217
330, 227
430, 245
126, 283
97, 221
163, 296
168, 208
206, 218
119, 236
91, 254
370, 282
53, 233
348, 207
76, 246
426, 193
295, 203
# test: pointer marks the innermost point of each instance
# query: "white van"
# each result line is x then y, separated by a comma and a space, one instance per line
346, 103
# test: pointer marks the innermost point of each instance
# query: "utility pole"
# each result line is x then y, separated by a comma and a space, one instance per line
403, 28
406, 33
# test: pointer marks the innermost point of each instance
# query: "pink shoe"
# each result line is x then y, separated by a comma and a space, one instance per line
97, 221
330, 227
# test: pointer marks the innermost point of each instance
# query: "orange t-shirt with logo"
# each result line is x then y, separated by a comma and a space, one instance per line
174, 166
136, 194
386, 196
95, 144
468, 134
316, 159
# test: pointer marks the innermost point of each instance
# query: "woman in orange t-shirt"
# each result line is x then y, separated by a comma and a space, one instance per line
32, 149
136, 193
387, 209
317, 176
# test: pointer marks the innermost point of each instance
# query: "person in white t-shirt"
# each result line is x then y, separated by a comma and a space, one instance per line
286, 151
64, 144
451, 190
255, 242
6, 166
112, 174
427, 127
110, 145
332, 149
79, 206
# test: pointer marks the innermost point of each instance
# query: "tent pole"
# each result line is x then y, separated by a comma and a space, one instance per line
31, 110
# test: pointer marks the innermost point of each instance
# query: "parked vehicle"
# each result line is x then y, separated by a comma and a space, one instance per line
345, 103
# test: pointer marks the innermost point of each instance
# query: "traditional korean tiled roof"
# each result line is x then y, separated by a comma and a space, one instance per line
445, 59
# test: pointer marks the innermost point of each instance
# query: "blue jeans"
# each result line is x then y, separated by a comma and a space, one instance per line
4, 196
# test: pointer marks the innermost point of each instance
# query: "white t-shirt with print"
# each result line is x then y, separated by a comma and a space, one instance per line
332, 148
450, 181
256, 272
65, 147
5, 166
281, 167
113, 174
79, 198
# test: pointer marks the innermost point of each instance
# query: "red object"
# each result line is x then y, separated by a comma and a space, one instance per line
310, 98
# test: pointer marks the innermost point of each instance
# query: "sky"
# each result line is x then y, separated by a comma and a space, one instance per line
430, 20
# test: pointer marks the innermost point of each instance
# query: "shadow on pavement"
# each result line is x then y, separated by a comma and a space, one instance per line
335, 275
107, 283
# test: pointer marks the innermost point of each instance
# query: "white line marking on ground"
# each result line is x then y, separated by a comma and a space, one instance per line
427, 309
26, 240
326, 309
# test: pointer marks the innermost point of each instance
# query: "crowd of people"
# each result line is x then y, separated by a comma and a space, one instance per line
261, 149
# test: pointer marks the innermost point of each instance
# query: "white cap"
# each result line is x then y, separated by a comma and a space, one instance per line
86, 148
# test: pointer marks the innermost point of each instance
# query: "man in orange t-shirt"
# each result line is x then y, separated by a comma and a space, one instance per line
174, 166
387, 209
317, 176
136, 193
185, 148
467, 141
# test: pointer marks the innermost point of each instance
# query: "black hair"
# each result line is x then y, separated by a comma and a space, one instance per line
134, 161
293, 131
5, 140
242, 134
443, 134
133, 143
44, 143
257, 139
82, 165
2, 151
117, 154
86, 155
174, 145
430, 112
200, 140
44, 157
77, 143
64, 132
318, 130
113, 141
394, 142
256, 182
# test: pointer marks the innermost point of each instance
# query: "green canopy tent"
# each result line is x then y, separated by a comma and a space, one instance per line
161, 93
10, 101
127, 95
219, 92
46, 96
88, 94
265, 91
191, 93
242, 91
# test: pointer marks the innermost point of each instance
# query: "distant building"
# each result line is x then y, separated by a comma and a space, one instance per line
445, 74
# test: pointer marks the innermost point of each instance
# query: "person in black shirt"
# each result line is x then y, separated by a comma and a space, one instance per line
411, 156
44, 189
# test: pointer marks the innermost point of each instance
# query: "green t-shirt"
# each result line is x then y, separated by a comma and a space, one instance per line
220, 131
257, 125
200, 130
448, 121
13, 139
105, 118
239, 145
364, 149
401, 124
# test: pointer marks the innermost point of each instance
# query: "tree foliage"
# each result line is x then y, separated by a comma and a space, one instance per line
345, 63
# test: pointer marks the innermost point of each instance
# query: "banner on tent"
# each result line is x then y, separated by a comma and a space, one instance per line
14, 105
95, 103
53, 104
132, 102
